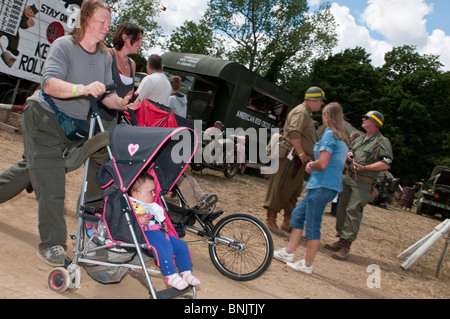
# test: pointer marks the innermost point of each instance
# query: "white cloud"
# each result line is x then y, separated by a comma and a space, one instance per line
351, 35
313, 3
398, 21
177, 12
438, 44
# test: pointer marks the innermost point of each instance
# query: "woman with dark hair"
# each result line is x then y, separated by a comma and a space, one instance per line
325, 182
126, 40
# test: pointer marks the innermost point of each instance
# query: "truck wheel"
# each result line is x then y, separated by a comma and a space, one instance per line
419, 208
197, 167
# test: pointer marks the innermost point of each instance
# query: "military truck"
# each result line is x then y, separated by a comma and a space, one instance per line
434, 194
220, 90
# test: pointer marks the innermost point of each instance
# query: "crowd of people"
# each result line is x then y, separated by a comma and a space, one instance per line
79, 65
341, 168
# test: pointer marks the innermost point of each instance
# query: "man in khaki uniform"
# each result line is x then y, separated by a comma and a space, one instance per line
370, 153
296, 149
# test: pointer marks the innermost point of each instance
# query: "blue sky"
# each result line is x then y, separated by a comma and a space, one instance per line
376, 25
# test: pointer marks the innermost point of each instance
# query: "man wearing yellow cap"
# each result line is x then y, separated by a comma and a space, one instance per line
295, 150
369, 154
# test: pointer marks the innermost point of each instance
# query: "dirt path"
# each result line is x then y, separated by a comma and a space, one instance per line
384, 234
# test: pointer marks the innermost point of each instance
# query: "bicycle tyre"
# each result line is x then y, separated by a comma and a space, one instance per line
231, 169
256, 247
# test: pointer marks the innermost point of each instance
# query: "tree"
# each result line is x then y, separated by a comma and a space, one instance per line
272, 36
141, 12
195, 38
415, 103
294, 52
141, 62
405, 61
348, 78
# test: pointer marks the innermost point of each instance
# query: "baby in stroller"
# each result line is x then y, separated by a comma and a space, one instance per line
152, 218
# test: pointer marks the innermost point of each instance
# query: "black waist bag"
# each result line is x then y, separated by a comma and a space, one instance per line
75, 129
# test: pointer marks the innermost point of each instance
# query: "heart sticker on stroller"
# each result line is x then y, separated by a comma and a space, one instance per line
133, 148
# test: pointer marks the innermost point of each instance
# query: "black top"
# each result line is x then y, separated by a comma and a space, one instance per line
121, 89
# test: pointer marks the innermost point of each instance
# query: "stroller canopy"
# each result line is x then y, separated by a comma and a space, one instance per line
167, 151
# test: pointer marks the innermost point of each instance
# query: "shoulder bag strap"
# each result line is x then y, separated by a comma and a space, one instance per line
50, 102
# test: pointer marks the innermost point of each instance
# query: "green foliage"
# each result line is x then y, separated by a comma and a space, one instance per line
272, 36
141, 12
415, 108
195, 38
347, 78
141, 62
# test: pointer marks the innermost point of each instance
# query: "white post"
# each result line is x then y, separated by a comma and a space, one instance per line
444, 253
416, 246
419, 243
12, 107
424, 244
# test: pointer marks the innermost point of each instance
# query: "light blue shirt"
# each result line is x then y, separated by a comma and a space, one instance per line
331, 176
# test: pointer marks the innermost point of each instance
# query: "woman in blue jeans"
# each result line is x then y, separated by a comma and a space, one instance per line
325, 182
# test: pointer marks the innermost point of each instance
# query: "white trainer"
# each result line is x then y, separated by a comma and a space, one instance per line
283, 255
301, 266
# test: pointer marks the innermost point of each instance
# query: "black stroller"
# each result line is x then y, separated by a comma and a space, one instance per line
111, 242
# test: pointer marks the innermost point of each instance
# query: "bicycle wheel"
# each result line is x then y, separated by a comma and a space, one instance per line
231, 169
243, 247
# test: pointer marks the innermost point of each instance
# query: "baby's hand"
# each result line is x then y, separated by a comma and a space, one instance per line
144, 219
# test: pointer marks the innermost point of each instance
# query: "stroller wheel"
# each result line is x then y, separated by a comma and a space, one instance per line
75, 277
59, 279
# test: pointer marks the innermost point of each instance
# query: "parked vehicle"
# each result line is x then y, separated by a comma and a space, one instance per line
386, 185
219, 152
226, 91
219, 90
434, 195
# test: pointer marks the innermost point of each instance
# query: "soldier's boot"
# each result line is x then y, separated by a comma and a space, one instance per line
271, 223
286, 224
343, 252
335, 246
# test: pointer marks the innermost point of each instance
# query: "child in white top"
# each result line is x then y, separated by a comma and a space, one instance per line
152, 218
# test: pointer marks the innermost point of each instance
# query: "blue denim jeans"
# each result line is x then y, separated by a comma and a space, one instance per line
310, 210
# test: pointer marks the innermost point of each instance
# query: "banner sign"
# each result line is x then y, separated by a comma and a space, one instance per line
27, 29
